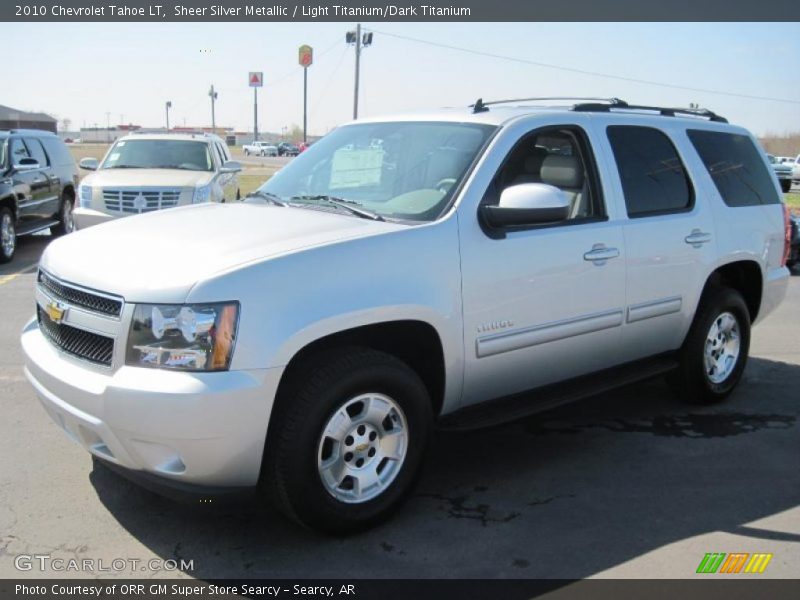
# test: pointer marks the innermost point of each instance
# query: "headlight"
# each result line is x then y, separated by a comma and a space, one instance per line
201, 194
189, 337
85, 196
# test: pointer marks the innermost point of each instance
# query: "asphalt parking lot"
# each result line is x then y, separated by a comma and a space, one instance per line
627, 484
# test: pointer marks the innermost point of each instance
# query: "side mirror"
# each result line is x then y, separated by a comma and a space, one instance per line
26, 164
231, 166
88, 163
527, 204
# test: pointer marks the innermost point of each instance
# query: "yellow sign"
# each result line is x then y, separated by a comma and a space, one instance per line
306, 55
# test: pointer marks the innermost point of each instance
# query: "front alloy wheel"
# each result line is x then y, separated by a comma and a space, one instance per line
346, 438
362, 448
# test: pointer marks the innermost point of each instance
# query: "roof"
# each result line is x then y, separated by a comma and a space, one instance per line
13, 114
504, 112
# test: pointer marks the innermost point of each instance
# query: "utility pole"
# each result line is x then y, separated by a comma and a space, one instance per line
355, 37
213, 95
255, 79
168, 105
108, 126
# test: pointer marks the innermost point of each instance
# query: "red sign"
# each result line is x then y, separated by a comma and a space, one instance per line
306, 56
256, 79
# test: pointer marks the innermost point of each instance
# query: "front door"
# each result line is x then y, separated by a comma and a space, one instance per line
545, 303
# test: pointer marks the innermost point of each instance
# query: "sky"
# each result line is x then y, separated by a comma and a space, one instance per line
83, 71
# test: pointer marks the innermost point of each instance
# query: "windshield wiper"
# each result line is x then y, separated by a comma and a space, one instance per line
276, 200
351, 206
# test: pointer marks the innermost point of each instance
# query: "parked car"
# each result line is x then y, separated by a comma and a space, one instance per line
796, 170
143, 173
287, 149
260, 149
307, 340
794, 252
783, 172
37, 186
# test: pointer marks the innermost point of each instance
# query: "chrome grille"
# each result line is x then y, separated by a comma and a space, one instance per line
95, 348
134, 201
79, 297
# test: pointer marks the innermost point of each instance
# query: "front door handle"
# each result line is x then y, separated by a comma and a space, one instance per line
697, 238
599, 254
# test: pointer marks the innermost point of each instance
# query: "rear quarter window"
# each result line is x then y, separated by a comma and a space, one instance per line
736, 167
57, 151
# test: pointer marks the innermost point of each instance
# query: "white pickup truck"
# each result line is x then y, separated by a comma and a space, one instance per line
406, 272
260, 149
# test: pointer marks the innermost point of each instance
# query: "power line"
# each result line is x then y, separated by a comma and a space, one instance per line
583, 71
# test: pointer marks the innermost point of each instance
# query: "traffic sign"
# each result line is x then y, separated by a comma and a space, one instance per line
306, 56
256, 79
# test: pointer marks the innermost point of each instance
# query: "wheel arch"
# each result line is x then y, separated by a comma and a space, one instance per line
415, 342
746, 277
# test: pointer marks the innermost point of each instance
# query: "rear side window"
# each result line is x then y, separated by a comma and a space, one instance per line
36, 151
736, 166
17, 150
654, 180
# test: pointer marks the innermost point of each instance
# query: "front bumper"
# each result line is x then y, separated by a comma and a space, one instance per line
87, 217
195, 429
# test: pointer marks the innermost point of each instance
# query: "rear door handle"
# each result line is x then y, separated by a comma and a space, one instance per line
599, 254
697, 238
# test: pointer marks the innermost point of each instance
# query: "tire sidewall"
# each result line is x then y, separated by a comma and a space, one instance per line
723, 300
311, 501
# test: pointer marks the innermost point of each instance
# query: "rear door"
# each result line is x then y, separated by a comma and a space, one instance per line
669, 234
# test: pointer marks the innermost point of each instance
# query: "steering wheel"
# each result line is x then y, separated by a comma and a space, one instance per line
445, 184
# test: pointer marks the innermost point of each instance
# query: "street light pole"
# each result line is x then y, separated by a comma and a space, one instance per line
169, 105
358, 68
108, 126
213, 96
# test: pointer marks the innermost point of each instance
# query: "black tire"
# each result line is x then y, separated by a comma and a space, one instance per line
238, 194
247, 153
691, 381
7, 219
315, 391
786, 186
66, 221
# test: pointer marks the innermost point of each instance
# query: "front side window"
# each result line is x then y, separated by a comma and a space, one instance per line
17, 151
736, 167
654, 180
159, 154
556, 156
401, 170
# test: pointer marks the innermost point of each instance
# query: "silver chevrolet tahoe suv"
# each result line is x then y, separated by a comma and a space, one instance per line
453, 268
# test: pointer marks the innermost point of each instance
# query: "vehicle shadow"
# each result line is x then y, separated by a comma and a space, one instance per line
29, 251
566, 494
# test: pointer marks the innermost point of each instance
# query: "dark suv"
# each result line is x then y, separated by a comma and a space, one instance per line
38, 178
287, 149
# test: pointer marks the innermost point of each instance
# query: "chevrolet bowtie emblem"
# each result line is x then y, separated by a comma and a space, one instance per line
55, 312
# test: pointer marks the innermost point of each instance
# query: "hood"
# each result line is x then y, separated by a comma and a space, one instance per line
147, 177
159, 256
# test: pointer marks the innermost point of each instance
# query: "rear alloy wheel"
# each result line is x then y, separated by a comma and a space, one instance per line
8, 235
66, 218
346, 439
714, 354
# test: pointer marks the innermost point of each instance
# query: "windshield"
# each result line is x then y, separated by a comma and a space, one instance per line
399, 170
159, 154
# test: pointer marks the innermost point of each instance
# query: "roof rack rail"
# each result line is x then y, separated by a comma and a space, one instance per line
663, 111
481, 106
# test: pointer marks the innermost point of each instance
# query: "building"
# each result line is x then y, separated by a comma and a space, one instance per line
12, 118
